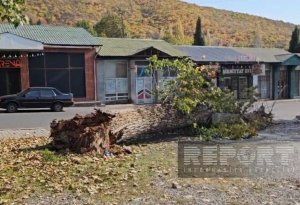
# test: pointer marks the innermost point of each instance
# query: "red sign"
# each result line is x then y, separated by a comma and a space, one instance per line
10, 63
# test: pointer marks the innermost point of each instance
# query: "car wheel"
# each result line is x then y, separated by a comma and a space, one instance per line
57, 107
12, 107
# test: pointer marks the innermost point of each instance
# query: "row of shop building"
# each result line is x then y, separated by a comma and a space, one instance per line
113, 70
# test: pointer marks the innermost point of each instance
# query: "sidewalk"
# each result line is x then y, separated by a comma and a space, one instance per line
23, 133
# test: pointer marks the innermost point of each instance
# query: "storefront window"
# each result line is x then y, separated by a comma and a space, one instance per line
264, 85
243, 87
57, 60
10, 82
237, 78
143, 71
64, 71
116, 80
121, 70
169, 73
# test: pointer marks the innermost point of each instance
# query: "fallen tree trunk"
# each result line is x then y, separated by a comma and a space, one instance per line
156, 119
100, 131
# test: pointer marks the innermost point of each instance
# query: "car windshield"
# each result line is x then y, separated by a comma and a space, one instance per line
23, 92
57, 92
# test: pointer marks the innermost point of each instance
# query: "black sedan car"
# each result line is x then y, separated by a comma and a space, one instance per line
37, 97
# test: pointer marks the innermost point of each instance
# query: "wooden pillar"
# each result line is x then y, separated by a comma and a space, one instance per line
90, 74
24, 71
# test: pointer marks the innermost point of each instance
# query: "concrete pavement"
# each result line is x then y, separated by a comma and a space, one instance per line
41, 118
282, 109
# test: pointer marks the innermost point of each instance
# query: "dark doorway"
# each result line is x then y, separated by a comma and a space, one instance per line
238, 85
10, 82
283, 85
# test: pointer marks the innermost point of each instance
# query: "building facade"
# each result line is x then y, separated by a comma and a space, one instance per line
122, 74
38, 56
274, 72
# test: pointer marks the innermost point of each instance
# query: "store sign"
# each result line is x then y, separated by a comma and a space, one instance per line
236, 71
10, 63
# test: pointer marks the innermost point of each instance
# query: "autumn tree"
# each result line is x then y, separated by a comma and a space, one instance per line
199, 36
178, 31
87, 26
294, 40
257, 40
11, 11
111, 26
170, 38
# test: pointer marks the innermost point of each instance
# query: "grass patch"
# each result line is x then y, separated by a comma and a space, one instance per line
49, 156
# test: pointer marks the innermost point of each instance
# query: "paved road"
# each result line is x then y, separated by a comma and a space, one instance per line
283, 110
43, 118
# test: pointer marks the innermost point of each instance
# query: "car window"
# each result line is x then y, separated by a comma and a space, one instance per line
33, 93
47, 93
57, 92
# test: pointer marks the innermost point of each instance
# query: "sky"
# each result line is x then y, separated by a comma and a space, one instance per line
285, 10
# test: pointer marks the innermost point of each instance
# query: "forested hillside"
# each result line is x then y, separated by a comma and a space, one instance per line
155, 18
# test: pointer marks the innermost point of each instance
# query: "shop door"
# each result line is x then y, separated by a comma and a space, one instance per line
10, 82
232, 84
144, 86
243, 86
238, 85
283, 85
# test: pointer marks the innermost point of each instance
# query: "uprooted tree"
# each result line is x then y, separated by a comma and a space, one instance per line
187, 101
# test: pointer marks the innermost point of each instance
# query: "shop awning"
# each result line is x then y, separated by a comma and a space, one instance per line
12, 42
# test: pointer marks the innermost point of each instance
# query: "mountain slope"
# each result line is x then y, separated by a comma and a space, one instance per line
153, 18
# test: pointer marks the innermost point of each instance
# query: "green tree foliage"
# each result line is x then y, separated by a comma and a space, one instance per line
194, 86
199, 36
111, 26
87, 26
11, 11
294, 40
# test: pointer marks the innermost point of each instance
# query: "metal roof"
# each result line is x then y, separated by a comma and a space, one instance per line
267, 55
210, 54
52, 35
231, 54
284, 57
114, 47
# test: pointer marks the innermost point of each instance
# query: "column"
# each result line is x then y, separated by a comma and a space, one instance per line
276, 77
24, 72
292, 81
100, 80
255, 83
